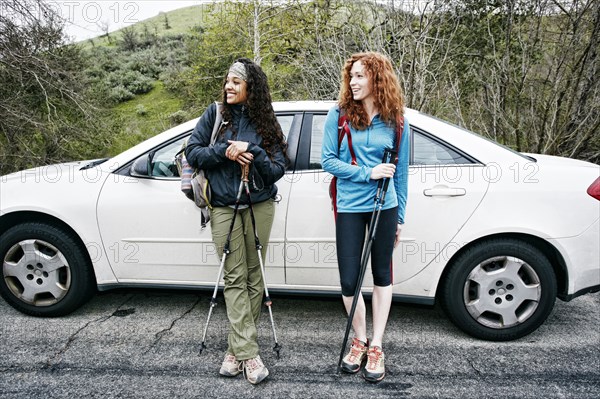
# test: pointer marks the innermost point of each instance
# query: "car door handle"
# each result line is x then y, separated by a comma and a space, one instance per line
444, 191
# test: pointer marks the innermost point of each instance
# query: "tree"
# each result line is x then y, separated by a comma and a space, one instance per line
524, 73
271, 33
104, 26
129, 39
43, 108
166, 22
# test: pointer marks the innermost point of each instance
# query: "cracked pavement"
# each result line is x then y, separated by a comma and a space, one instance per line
136, 343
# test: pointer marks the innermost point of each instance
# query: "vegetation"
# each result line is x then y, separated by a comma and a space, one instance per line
45, 115
523, 72
144, 116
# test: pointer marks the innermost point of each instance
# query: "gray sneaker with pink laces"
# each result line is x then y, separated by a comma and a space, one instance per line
230, 366
375, 369
255, 370
353, 360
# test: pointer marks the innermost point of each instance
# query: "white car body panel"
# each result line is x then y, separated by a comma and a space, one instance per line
160, 239
67, 193
515, 216
144, 231
583, 253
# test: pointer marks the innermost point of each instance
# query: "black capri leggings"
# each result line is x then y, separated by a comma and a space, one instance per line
350, 231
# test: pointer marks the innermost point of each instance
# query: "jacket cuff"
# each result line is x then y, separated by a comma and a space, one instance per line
220, 148
255, 150
367, 172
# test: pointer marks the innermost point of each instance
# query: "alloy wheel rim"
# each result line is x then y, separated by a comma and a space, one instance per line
36, 272
502, 292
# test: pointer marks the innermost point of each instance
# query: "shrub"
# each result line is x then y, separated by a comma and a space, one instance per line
141, 85
178, 117
120, 94
145, 62
133, 81
141, 110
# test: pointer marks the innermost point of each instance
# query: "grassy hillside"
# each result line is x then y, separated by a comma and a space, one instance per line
180, 22
132, 81
145, 116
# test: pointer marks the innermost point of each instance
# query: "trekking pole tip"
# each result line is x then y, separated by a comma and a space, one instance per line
277, 348
202, 347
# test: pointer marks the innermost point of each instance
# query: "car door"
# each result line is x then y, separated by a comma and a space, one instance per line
445, 187
310, 232
151, 232
443, 191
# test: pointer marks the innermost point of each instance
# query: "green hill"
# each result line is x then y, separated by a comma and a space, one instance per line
172, 23
133, 72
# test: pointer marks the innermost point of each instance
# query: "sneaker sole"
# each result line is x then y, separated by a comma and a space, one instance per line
226, 373
373, 377
259, 379
347, 369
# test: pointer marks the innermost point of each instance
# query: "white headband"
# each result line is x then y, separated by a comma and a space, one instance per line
238, 69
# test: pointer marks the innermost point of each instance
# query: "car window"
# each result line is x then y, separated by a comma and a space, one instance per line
427, 151
286, 123
163, 160
316, 142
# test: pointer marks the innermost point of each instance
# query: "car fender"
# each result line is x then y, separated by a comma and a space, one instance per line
70, 195
578, 263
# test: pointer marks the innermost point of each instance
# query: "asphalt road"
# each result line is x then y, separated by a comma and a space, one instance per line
127, 344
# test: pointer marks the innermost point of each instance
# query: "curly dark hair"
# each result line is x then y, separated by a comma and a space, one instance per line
260, 108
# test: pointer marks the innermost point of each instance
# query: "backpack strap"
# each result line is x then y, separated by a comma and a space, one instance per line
399, 130
218, 122
344, 130
204, 210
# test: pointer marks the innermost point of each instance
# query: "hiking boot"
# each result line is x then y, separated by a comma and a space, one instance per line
231, 366
375, 369
255, 370
353, 360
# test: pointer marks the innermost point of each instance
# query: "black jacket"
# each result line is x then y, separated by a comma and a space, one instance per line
224, 174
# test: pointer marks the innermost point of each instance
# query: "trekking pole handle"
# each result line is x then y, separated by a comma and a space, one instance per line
382, 186
388, 155
245, 172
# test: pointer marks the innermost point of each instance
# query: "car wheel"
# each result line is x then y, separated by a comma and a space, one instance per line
499, 290
44, 270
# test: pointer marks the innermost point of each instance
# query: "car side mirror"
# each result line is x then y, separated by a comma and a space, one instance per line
141, 166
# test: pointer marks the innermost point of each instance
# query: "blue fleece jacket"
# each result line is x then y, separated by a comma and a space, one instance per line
355, 188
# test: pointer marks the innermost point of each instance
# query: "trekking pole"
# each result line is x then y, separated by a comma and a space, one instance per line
226, 251
268, 301
382, 187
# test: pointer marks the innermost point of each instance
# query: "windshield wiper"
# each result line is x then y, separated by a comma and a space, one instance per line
94, 163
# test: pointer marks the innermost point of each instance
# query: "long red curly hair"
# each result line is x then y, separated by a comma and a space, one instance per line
389, 98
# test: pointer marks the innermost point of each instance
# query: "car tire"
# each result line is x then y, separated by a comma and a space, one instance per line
499, 290
45, 271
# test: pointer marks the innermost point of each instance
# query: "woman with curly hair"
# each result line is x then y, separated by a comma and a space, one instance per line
373, 103
249, 135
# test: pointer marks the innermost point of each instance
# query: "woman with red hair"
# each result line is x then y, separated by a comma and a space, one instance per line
373, 104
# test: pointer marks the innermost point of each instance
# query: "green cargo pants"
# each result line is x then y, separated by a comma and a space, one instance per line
242, 276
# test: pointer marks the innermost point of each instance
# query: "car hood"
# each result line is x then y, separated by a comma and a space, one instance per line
52, 188
67, 171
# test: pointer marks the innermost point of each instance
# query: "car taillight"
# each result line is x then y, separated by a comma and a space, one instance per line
594, 189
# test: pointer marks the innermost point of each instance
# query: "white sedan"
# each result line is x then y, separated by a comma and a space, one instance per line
493, 235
